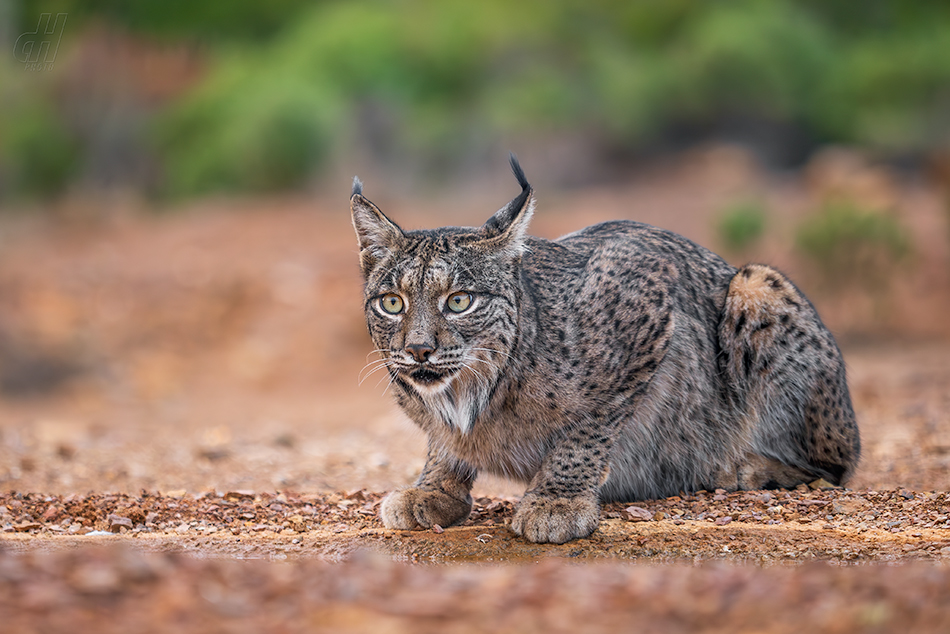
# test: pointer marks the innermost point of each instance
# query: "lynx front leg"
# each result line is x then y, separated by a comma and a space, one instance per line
440, 496
562, 502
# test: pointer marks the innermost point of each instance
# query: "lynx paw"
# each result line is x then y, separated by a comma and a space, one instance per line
411, 508
555, 520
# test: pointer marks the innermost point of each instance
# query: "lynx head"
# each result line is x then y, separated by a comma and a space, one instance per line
442, 304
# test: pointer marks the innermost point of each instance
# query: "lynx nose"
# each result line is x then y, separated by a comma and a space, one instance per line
420, 351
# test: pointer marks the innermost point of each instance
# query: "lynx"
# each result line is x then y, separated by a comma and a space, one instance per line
618, 363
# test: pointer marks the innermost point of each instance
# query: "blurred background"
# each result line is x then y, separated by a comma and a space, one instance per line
179, 293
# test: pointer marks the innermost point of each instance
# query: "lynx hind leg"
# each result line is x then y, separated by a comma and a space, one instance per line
759, 472
788, 377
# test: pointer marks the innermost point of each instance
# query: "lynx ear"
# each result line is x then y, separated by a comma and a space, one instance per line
377, 234
507, 228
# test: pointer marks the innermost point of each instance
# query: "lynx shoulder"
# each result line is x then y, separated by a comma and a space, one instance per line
620, 362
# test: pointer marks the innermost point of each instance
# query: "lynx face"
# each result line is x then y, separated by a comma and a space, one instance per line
437, 320
441, 306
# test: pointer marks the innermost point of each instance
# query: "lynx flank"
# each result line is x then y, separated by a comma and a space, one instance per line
618, 363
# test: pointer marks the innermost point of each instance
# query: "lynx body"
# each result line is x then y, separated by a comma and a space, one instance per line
621, 362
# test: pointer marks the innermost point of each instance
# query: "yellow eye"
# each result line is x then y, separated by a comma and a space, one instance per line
459, 302
391, 303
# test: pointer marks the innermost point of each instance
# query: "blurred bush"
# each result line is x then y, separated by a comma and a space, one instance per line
741, 226
234, 21
222, 138
850, 246
38, 152
441, 82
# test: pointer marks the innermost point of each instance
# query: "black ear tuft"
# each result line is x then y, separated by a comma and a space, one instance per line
519, 202
519, 173
506, 229
357, 186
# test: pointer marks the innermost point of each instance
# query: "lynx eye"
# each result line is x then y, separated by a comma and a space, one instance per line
459, 302
391, 303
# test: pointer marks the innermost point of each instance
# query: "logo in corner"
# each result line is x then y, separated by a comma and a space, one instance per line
37, 50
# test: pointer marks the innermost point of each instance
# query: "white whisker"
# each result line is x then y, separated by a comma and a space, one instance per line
488, 363
392, 378
483, 381
383, 378
371, 368
373, 365
368, 375
376, 351
493, 351
375, 362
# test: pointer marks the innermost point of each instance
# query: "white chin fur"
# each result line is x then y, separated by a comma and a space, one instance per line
459, 412
459, 406
429, 390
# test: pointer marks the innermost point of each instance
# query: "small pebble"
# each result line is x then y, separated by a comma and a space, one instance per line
117, 523
636, 514
24, 527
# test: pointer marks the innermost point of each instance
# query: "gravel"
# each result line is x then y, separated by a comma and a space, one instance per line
119, 589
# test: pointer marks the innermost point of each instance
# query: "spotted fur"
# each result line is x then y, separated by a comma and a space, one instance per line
621, 362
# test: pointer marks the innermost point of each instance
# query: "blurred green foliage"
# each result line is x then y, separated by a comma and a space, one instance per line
223, 138
42, 152
294, 82
853, 246
38, 153
741, 226
230, 21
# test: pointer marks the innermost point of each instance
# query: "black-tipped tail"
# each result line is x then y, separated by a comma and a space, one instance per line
518, 172
357, 186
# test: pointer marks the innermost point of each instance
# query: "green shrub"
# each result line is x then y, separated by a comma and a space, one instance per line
452, 78
741, 58
442, 82
237, 137
38, 154
849, 245
741, 226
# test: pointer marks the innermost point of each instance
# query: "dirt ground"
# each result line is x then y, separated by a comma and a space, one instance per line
184, 439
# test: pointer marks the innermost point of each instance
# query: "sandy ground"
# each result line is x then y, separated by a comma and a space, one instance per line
180, 400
